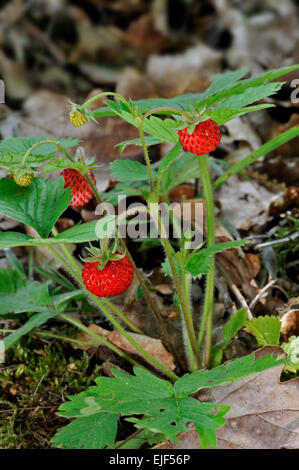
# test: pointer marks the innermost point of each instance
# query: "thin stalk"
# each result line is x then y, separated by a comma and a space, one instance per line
207, 317
186, 283
132, 436
164, 109
99, 338
37, 145
110, 317
184, 302
141, 281
101, 95
122, 316
147, 159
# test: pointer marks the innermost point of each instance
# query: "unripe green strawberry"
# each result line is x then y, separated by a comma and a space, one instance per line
24, 180
112, 280
81, 190
204, 139
77, 118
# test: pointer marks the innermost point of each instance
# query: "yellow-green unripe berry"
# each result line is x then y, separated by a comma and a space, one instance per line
23, 180
77, 118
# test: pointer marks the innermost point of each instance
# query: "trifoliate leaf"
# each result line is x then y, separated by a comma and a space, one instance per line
226, 373
165, 408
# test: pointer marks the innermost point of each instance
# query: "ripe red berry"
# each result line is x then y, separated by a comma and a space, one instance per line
204, 139
82, 192
112, 280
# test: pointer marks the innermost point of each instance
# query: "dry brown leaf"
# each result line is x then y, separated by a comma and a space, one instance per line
244, 204
143, 36
189, 71
285, 201
152, 345
264, 412
241, 271
290, 323
88, 338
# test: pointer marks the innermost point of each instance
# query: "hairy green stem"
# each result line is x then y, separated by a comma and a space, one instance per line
101, 95
194, 358
99, 339
37, 144
186, 285
164, 109
147, 159
207, 317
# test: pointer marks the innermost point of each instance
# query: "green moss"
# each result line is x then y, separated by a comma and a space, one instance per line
34, 381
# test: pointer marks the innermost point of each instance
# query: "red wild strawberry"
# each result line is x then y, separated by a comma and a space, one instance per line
204, 139
112, 280
82, 192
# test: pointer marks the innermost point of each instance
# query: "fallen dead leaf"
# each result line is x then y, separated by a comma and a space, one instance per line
290, 323
244, 204
285, 202
189, 71
241, 270
264, 412
152, 345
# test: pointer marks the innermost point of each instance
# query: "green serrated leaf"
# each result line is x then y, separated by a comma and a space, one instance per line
172, 155
234, 324
166, 267
80, 233
226, 373
90, 432
183, 169
36, 320
265, 329
128, 171
291, 348
163, 129
164, 408
200, 262
249, 95
19, 295
148, 395
221, 116
12, 161
39, 205
223, 86
149, 140
18, 145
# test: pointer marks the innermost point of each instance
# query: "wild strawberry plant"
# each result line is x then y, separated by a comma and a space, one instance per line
191, 123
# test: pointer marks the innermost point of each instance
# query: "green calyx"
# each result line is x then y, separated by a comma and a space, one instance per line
107, 252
